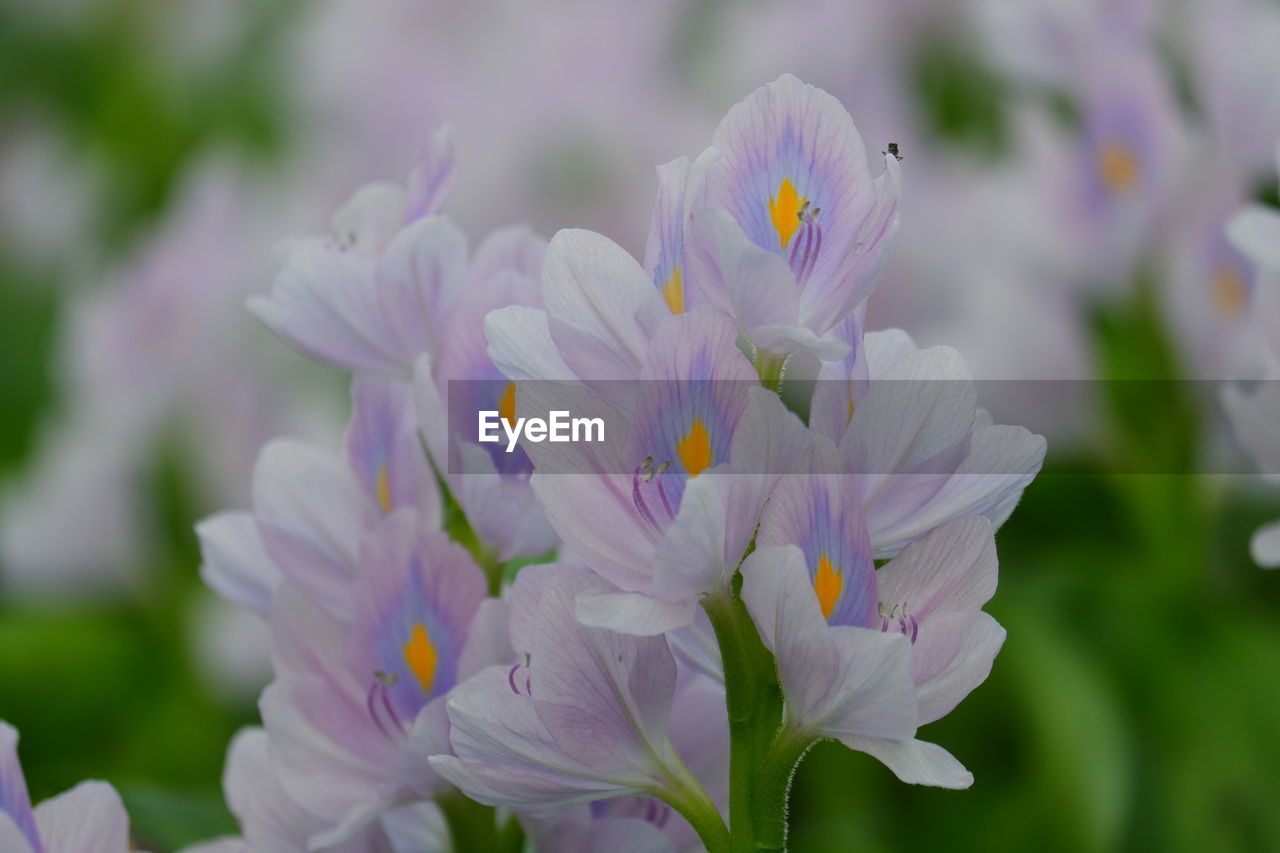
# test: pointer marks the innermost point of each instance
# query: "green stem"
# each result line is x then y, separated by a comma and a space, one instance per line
773, 789
754, 705
473, 826
770, 368
686, 796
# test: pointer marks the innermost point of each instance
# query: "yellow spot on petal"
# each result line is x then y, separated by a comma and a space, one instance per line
1230, 294
507, 405
827, 583
1118, 167
420, 655
673, 291
695, 449
784, 210
852, 408
382, 488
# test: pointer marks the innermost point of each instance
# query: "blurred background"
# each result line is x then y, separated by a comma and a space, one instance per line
1069, 167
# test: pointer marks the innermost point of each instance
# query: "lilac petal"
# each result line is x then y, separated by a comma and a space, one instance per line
268, 819
839, 681
14, 800
236, 565
512, 249
504, 754
664, 250
384, 451
821, 515
1002, 461
634, 613
602, 308
370, 219
312, 513
952, 569
751, 284
90, 818
432, 179
521, 346
915, 762
12, 838
849, 284
324, 303
419, 277
488, 639
605, 835
220, 845
604, 697
1265, 546
952, 655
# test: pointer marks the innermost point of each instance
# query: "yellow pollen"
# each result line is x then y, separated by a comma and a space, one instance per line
695, 449
673, 291
784, 210
1230, 294
420, 655
1118, 167
507, 405
827, 583
382, 488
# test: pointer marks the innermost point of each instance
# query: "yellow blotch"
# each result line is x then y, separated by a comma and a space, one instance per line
1230, 294
827, 583
1118, 167
784, 210
420, 655
673, 291
507, 405
382, 488
695, 449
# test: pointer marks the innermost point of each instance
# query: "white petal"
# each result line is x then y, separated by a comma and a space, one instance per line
90, 818
236, 565
915, 762
1265, 546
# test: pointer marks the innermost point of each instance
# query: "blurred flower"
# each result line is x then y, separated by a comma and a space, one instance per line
87, 819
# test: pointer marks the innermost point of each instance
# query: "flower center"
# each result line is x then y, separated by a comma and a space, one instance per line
1230, 293
673, 290
420, 654
1118, 167
827, 584
695, 448
382, 488
507, 405
786, 211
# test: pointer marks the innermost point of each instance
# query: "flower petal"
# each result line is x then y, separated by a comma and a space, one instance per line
915, 762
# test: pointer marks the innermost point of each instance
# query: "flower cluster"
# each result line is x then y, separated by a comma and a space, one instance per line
793, 541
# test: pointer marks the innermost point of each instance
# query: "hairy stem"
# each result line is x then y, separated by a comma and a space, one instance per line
770, 368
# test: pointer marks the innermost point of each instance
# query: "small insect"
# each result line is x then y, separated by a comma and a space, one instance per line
893, 149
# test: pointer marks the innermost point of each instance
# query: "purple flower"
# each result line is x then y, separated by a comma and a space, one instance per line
584, 717
357, 704
912, 436
791, 232
866, 655
89, 818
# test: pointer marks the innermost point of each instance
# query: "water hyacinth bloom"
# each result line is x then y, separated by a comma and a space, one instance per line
89, 818
584, 717
865, 655
373, 295
313, 507
356, 706
790, 232
913, 439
